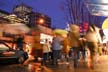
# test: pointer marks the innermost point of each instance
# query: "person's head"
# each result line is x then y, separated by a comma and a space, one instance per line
74, 28
50, 42
46, 40
91, 28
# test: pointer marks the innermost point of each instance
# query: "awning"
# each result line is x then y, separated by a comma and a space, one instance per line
16, 28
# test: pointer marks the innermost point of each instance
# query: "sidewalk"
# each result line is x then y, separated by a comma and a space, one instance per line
101, 66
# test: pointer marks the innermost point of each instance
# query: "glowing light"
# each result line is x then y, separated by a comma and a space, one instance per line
41, 21
45, 36
105, 31
104, 1
105, 24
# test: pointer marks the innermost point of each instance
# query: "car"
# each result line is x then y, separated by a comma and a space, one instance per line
10, 55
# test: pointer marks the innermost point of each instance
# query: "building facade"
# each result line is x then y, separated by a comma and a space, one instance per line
31, 18
3, 14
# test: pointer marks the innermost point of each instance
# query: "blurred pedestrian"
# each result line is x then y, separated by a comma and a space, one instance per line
93, 38
83, 46
100, 50
56, 49
104, 49
46, 51
66, 49
29, 50
74, 36
19, 42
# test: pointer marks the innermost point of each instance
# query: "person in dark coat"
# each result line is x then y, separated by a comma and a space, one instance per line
19, 42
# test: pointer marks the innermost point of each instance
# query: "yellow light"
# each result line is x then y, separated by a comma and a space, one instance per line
105, 24
41, 21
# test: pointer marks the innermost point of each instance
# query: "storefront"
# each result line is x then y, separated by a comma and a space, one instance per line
37, 39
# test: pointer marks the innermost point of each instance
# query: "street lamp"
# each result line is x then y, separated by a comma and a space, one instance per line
41, 21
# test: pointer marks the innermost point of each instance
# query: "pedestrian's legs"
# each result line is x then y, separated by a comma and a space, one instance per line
93, 53
76, 57
50, 55
67, 58
59, 54
71, 52
92, 61
44, 57
55, 57
84, 54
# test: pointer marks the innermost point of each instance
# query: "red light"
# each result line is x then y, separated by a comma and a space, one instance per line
81, 29
85, 26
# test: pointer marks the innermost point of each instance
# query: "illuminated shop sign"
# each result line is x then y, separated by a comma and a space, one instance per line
45, 36
97, 7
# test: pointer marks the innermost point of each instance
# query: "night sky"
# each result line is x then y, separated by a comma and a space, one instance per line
52, 8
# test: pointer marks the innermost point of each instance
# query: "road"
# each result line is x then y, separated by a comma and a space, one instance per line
101, 66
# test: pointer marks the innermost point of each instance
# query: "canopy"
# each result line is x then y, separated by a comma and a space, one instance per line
16, 28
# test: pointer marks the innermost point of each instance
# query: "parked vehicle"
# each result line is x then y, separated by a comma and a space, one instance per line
10, 55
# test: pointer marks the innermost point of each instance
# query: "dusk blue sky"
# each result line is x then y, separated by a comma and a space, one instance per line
52, 8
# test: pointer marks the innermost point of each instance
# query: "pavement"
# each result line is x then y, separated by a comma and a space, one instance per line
100, 66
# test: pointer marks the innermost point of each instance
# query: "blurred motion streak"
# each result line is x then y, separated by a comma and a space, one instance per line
16, 28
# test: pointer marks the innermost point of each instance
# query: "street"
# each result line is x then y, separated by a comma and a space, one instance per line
101, 66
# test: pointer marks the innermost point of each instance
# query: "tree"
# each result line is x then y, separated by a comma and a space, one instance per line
73, 9
76, 12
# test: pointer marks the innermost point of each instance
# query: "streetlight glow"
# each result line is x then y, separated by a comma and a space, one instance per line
41, 21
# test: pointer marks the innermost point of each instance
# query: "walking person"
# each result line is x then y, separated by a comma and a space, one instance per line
83, 46
66, 49
46, 51
56, 49
19, 42
93, 38
74, 36
29, 50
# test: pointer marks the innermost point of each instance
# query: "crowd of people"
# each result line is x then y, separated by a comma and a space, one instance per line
73, 46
